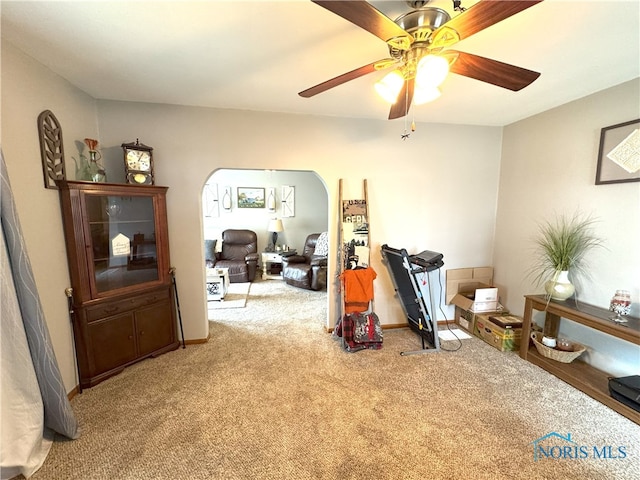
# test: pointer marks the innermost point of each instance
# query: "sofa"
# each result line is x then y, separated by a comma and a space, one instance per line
239, 253
309, 268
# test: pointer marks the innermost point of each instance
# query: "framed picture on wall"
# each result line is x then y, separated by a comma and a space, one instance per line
210, 200
288, 201
619, 153
250, 197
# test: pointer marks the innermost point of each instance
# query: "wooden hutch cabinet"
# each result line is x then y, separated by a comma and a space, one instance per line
118, 250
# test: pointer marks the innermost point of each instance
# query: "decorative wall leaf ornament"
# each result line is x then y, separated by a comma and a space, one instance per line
51, 149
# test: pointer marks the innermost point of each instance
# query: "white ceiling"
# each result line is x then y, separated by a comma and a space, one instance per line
256, 55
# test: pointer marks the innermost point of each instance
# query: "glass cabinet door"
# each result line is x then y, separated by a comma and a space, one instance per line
123, 240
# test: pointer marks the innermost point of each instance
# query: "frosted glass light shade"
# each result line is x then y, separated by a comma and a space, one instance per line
425, 94
390, 85
431, 71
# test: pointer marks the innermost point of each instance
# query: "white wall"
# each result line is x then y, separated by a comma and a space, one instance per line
436, 190
28, 88
549, 167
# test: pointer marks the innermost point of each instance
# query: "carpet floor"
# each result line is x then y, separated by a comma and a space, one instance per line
236, 297
273, 396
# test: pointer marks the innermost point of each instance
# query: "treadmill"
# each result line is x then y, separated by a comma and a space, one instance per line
404, 270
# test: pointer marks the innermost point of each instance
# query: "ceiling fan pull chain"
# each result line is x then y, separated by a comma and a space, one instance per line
405, 135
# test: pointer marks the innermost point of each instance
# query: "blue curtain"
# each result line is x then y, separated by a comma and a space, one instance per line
58, 415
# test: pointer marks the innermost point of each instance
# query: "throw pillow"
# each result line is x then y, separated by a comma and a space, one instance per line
322, 245
210, 250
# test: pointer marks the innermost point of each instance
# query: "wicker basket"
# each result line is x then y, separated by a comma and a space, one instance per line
557, 355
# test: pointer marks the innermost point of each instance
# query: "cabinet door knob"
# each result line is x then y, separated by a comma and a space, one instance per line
141, 332
110, 309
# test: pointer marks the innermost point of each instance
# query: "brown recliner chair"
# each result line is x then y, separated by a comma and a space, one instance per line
239, 254
306, 270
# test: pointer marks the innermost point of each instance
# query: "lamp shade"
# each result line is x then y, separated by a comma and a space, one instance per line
431, 71
425, 94
390, 85
275, 225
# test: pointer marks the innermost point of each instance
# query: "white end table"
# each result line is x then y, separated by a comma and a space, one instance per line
217, 283
268, 259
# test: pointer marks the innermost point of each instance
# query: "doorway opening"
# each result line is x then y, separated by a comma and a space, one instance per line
253, 199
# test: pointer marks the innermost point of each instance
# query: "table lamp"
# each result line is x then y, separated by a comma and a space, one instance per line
275, 226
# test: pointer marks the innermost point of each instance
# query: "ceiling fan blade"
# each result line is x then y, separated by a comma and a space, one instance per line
405, 97
367, 17
490, 71
346, 77
484, 14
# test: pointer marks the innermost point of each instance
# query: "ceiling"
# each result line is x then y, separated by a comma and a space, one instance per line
257, 55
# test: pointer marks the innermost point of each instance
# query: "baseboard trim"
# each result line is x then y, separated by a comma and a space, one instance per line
73, 392
391, 326
386, 326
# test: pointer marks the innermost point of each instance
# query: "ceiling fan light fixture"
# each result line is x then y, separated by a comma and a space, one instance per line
390, 85
425, 94
431, 71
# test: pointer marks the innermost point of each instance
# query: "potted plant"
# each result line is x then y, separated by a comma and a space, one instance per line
561, 248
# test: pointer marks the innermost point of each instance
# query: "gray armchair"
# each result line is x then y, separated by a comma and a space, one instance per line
239, 254
306, 270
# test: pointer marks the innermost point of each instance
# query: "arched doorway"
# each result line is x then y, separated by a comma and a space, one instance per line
223, 206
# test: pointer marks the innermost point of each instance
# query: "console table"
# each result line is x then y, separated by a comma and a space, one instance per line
582, 376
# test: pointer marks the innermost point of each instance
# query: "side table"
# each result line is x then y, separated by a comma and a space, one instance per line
217, 283
271, 266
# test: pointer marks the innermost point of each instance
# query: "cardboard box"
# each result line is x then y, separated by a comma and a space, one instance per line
465, 319
477, 298
461, 279
503, 332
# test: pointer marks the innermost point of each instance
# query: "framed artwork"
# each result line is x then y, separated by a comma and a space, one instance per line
250, 197
355, 234
211, 203
619, 153
288, 201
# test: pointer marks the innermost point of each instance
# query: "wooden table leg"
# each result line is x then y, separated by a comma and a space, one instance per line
526, 328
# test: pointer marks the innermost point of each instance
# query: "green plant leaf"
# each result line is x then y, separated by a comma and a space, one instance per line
561, 245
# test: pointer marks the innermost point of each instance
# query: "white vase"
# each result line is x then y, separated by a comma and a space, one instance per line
559, 287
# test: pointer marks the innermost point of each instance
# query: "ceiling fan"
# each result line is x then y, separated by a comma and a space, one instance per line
419, 44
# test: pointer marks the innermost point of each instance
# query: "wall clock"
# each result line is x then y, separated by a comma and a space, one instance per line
138, 163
